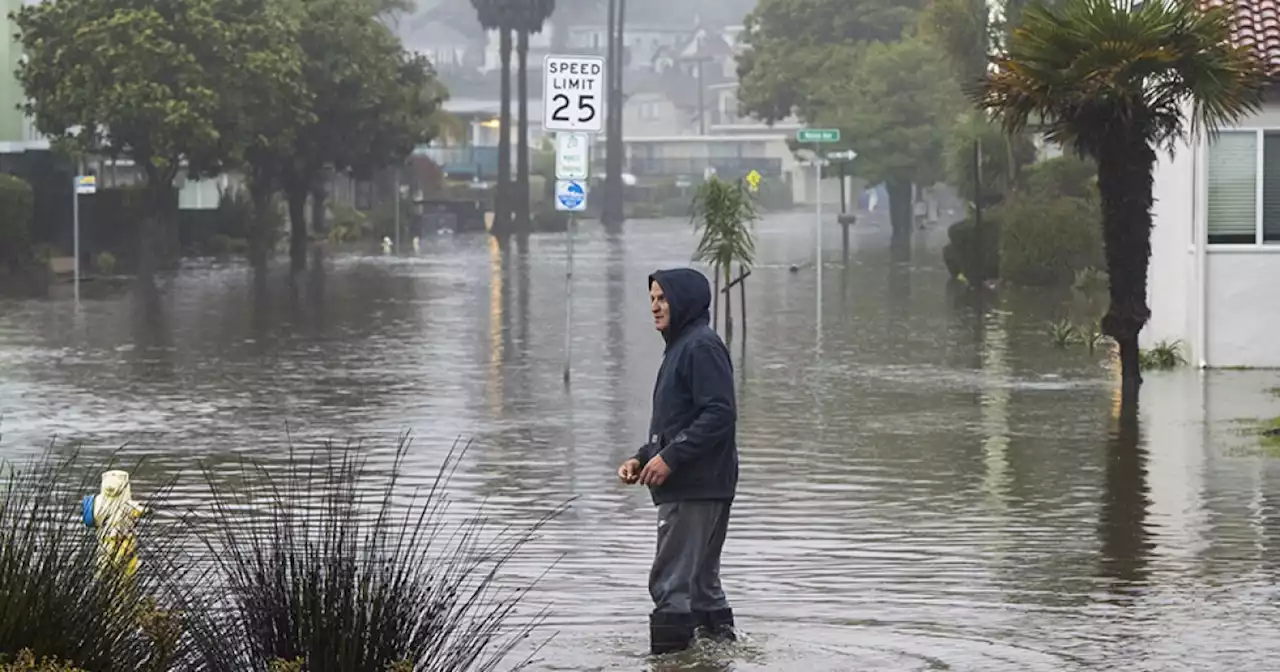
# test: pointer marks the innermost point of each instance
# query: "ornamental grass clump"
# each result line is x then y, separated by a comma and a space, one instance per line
60, 606
330, 565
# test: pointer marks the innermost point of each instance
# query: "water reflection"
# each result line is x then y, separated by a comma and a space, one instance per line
942, 489
1122, 520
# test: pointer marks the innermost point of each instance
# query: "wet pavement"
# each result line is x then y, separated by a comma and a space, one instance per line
927, 484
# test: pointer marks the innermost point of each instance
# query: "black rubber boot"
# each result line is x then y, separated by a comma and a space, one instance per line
717, 625
670, 631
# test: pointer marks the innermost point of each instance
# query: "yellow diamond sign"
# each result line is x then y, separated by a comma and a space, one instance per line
753, 180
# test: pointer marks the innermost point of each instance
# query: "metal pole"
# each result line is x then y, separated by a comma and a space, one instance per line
397, 209
75, 225
568, 300
817, 231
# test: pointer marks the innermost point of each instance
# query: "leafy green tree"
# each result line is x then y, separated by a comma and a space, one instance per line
370, 103
895, 103
1116, 82
786, 41
160, 83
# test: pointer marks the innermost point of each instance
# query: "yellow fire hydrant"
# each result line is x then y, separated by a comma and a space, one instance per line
113, 512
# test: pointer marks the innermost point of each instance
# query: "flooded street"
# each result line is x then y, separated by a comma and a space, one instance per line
927, 484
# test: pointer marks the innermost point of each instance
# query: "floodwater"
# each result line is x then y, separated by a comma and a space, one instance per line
927, 484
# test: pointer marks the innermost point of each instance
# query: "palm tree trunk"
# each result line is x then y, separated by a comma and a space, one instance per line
522, 146
1124, 183
502, 195
612, 212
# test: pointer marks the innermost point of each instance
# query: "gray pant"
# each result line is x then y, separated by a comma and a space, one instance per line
686, 567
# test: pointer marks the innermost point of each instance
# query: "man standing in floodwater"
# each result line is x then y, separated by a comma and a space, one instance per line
690, 464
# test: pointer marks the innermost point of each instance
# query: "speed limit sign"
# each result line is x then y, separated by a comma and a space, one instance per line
573, 94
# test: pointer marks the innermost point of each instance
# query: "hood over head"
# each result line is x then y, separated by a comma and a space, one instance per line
688, 299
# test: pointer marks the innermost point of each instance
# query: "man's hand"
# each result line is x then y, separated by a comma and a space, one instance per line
629, 472
655, 472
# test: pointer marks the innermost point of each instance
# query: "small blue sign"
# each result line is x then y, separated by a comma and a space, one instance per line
571, 196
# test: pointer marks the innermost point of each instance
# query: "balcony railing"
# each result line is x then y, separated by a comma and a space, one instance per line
729, 168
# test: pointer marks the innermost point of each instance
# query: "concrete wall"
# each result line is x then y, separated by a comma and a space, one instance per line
1241, 313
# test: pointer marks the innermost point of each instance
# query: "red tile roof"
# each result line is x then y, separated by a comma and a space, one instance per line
1256, 24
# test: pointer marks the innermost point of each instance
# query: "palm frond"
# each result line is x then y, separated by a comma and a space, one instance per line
1087, 70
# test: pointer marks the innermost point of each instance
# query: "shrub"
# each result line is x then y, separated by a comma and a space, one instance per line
1065, 176
26, 661
105, 262
17, 203
342, 572
346, 224
1045, 241
970, 256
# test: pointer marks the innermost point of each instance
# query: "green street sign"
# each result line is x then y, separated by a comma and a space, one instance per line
819, 135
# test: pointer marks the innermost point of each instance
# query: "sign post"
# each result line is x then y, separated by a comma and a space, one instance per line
573, 96
85, 184
818, 136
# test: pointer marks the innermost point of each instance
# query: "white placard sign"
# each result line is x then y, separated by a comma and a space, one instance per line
573, 94
573, 155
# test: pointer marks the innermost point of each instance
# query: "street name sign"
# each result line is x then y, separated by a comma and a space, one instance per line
573, 94
573, 156
818, 135
571, 196
86, 184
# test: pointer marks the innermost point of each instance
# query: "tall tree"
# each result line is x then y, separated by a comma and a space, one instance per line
780, 67
896, 102
170, 86
371, 104
530, 19
612, 215
497, 15
1117, 81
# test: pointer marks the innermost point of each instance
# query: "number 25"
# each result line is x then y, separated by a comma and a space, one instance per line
586, 111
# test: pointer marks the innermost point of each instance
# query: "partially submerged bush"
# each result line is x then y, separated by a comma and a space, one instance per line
26, 661
342, 573
1046, 241
17, 210
1161, 356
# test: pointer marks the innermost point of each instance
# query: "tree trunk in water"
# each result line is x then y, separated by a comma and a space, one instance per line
715, 299
1124, 183
319, 196
260, 233
742, 299
297, 230
611, 215
522, 146
502, 194
728, 304
900, 218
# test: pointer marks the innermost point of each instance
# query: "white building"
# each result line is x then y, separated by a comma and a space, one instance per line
1215, 246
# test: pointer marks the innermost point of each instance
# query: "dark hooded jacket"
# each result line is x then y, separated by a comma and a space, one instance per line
694, 421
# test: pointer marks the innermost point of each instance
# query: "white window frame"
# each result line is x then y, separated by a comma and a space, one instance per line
1258, 244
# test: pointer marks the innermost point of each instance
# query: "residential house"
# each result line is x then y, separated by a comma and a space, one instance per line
1215, 244
17, 134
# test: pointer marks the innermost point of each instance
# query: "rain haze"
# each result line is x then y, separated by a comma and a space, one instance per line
932, 320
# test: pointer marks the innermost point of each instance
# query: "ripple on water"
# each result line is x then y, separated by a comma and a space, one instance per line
924, 487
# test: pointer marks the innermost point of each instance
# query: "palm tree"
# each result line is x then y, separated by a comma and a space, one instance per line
611, 214
723, 213
1116, 81
529, 19
496, 15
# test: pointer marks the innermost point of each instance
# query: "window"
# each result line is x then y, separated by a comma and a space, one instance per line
1244, 188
